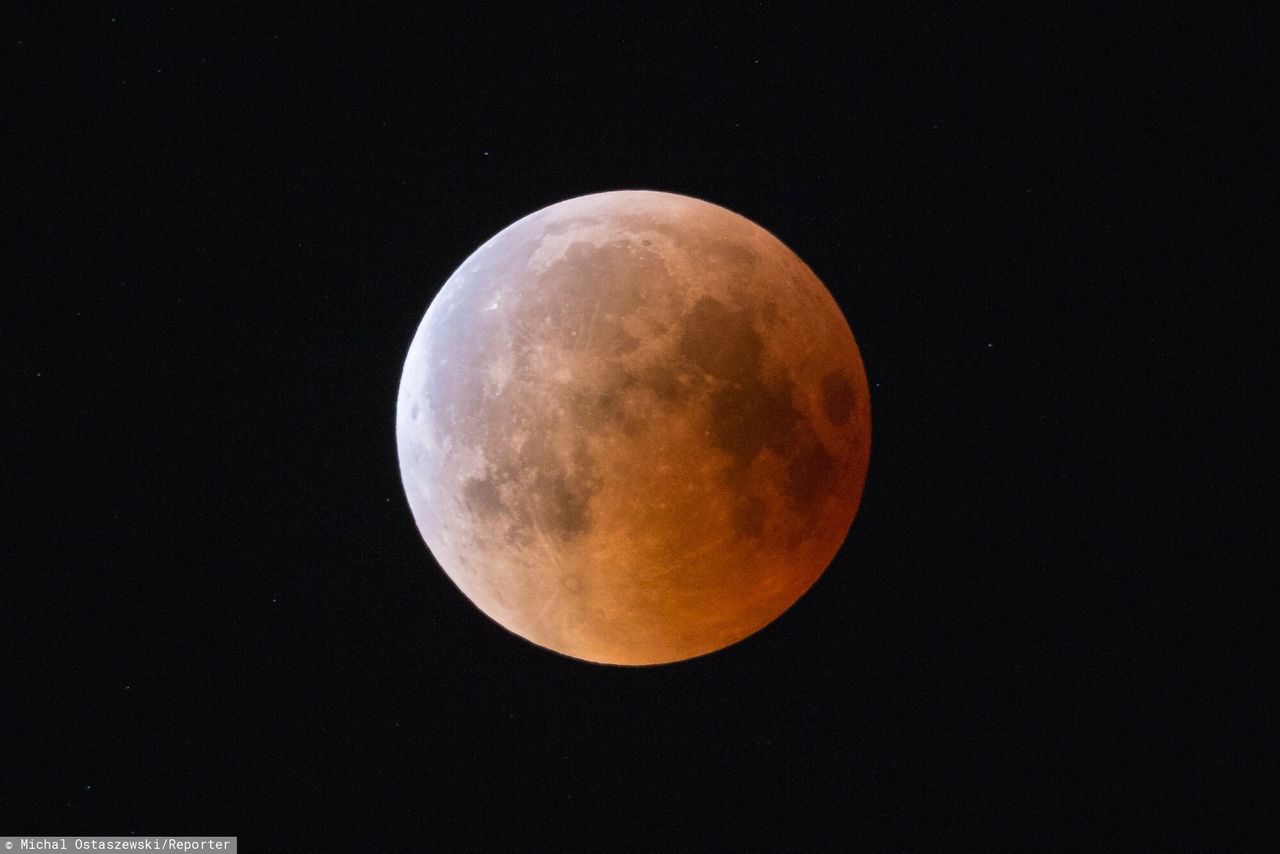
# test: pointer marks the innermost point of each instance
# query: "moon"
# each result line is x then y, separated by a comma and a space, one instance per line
633, 427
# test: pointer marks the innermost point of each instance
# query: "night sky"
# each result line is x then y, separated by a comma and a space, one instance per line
218, 615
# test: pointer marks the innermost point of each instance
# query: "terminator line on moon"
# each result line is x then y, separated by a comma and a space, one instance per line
633, 427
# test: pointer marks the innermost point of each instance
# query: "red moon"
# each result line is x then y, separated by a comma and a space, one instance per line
633, 427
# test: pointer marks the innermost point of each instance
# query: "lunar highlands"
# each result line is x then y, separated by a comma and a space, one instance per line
633, 427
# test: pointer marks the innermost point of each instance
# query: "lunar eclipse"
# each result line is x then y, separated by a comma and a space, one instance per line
633, 427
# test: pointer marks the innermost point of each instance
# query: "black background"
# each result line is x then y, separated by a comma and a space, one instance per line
220, 618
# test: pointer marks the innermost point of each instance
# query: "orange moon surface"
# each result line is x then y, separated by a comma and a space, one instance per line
633, 427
